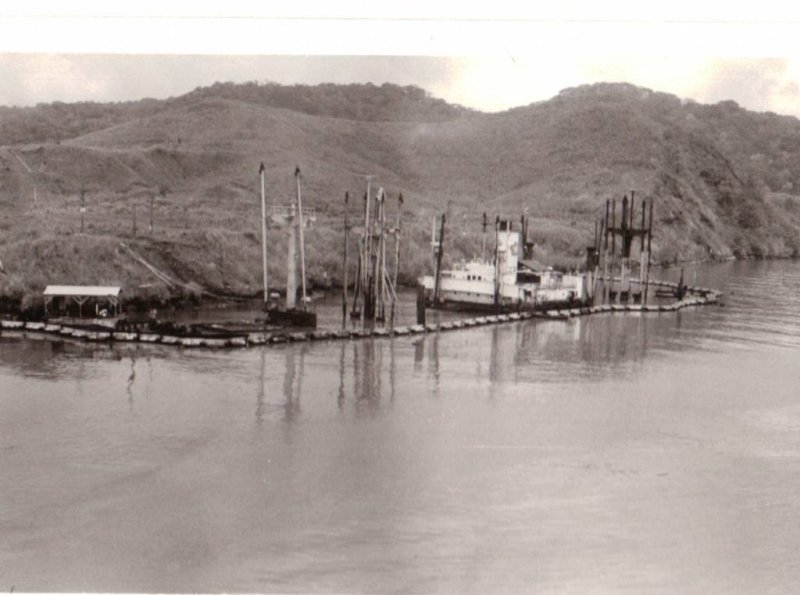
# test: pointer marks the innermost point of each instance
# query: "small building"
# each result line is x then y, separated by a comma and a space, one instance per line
107, 300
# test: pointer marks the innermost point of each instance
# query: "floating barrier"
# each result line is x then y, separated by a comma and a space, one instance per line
695, 296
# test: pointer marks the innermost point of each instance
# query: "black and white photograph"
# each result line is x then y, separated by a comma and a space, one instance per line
425, 298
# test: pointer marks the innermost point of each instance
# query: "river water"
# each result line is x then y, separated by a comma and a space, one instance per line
615, 453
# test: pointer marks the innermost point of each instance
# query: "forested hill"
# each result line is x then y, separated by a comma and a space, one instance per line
725, 181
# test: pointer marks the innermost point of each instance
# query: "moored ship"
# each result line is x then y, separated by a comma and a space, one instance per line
504, 283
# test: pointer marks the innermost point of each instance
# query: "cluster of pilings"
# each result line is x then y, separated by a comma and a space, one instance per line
374, 291
614, 241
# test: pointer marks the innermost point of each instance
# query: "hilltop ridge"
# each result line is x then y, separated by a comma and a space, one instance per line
725, 180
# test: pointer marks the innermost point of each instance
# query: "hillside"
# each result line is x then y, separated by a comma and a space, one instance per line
725, 181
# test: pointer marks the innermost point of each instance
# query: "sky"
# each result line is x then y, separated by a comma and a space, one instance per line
497, 56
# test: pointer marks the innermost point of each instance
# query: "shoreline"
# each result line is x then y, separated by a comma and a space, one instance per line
12, 307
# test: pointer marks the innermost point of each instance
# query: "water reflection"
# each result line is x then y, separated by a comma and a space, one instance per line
261, 389
572, 444
364, 369
131, 380
293, 382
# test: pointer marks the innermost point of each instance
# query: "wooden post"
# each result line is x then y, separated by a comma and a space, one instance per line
291, 262
367, 253
439, 262
630, 225
644, 212
344, 264
397, 240
613, 246
624, 227
496, 262
302, 237
381, 279
649, 236
605, 255
264, 234
483, 249
365, 258
420, 304
83, 205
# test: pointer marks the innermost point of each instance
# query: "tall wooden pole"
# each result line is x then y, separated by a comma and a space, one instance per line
264, 233
380, 264
439, 262
644, 212
83, 205
344, 264
649, 237
302, 237
613, 246
485, 222
397, 240
613, 230
605, 254
496, 261
291, 261
368, 252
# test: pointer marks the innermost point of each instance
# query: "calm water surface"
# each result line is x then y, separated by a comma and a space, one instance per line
616, 453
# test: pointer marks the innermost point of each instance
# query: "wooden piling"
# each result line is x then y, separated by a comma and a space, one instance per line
344, 258
421, 304
439, 261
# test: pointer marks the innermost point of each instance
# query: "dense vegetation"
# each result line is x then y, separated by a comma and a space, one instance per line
725, 181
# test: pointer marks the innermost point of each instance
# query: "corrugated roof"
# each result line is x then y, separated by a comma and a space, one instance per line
83, 290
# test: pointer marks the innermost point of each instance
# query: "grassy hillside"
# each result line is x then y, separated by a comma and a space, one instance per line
725, 181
